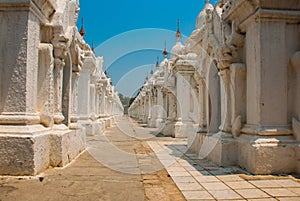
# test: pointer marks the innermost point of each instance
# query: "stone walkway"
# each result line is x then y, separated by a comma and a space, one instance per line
129, 162
203, 180
116, 167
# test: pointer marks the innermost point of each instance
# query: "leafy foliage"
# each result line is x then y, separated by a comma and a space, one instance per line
125, 102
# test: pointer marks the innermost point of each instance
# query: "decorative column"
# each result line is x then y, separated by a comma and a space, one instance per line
145, 109
202, 106
160, 107
169, 106
183, 96
45, 89
184, 126
84, 83
92, 102
20, 38
271, 32
99, 88
103, 83
150, 109
74, 106
238, 97
24, 145
225, 103
60, 52
267, 78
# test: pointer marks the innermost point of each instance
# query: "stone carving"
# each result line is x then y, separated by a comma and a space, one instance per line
59, 42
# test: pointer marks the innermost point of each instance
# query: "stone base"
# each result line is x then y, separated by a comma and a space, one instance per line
184, 129
101, 125
65, 145
269, 155
29, 150
93, 127
220, 148
159, 123
108, 122
23, 153
169, 129
256, 154
152, 122
195, 140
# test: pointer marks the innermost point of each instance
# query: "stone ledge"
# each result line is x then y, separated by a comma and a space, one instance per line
43, 9
267, 130
270, 157
65, 145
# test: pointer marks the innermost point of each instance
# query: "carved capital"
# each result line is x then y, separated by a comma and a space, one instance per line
225, 57
59, 63
59, 42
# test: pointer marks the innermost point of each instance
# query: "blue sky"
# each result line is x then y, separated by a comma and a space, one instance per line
130, 34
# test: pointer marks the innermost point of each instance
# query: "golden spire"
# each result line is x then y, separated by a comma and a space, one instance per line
178, 33
146, 79
151, 72
93, 48
105, 70
165, 52
82, 32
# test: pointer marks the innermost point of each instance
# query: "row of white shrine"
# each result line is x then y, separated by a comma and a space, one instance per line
53, 91
234, 88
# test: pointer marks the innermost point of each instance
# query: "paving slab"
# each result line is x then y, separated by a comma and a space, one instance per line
219, 183
197, 195
279, 192
239, 185
252, 193
224, 194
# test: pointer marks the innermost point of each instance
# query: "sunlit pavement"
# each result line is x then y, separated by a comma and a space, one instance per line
132, 162
202, 180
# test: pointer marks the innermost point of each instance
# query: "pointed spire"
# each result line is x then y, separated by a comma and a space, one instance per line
207, 1
151, 71
93, 48
82, 32
178, 33
146, 79
165, 52
157, 64
105, 70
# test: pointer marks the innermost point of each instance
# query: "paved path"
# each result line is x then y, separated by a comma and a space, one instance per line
128, 162
203, 180
116, 167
